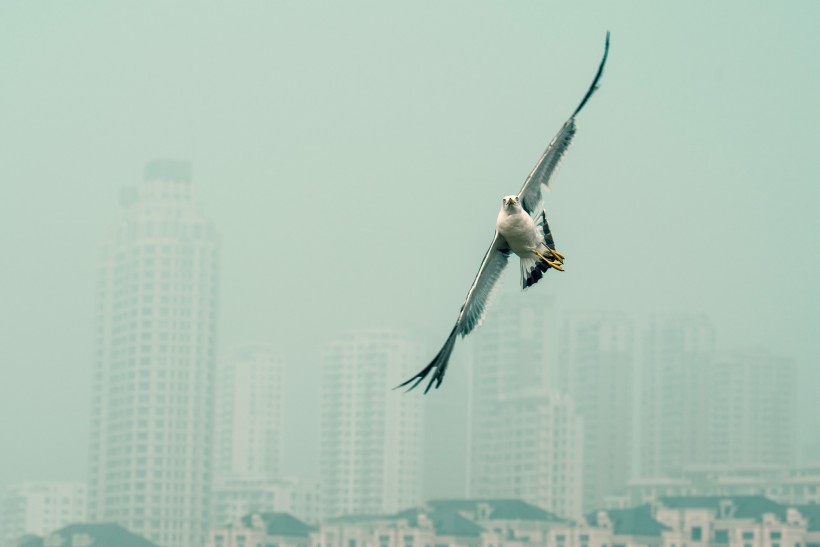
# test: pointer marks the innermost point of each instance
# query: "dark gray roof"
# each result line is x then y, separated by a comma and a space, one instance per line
104, 535
446, 521
636, 521
500, 509
812, 514
745, 507
280, 524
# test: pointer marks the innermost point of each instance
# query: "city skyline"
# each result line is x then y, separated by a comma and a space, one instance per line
346, 160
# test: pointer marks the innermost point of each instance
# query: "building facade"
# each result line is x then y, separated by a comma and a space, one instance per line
250, 414
526, 437
150, 454
675, 399
597, 371
371, 435
39, 508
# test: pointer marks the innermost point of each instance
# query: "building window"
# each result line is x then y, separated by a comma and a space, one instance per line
697, 533
775, 535
721, 536
748, 535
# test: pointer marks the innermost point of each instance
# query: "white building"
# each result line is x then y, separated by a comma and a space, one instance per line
752, 416
262, 529
40, 507
783, 484
596, 370
526, 438
235, 497
675, 397
370, 434
153, 376
250, 420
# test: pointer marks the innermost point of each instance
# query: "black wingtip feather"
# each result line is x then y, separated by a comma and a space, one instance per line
439, 363
598, 75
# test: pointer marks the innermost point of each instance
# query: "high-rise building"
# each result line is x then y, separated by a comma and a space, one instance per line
250, 402
532, 451
526, 437
596, 370
752, 420
152, 411
675, 394
40, 508
371, 435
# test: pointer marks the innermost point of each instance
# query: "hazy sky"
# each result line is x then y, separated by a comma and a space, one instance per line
353, 156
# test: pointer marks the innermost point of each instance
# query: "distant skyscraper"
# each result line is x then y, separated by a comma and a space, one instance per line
675, 394
596, 370
525, 435
532, 451
250, 402
371, 435
40, 508
152, 409
752, 414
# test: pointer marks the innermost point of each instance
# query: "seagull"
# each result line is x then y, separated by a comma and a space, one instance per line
521, 228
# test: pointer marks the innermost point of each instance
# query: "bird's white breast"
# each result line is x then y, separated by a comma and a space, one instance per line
518, 229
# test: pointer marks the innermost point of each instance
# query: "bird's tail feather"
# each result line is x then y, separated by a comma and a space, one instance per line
438, 364
532, 270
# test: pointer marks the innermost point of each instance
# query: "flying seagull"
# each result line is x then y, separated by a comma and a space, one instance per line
521, 228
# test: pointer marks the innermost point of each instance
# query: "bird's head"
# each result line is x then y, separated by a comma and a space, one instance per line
510, 202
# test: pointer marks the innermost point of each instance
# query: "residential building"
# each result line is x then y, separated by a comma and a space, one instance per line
87, 535
752, 417
258, 529
235, 497
526, 438
783, 484
675, 395
250, 423
40, 507
150, 454
371, 435
596, 371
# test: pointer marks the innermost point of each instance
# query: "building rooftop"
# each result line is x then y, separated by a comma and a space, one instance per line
499, 509
279, 524
102, 535
743, 507
637, 521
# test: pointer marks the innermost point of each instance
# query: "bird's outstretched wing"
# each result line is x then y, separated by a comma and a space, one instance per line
471, 314
530, 194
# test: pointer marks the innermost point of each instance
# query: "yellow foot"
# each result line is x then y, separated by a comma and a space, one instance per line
551, 263
558, 256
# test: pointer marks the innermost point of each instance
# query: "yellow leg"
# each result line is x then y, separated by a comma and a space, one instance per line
558, 256
552, 264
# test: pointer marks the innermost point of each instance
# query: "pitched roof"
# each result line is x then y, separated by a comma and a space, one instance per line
446, 521
103, 535
812, 514
745, 507
500, 509
280, 524
635, 521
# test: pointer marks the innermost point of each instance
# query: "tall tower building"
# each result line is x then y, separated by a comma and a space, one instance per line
532, 451
152, 409
675, 393
250, 403
525, 438
752, 418
596, 370
371, 436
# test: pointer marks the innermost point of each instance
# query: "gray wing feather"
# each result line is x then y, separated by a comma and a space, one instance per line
530, 194
471, 314
477, 301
